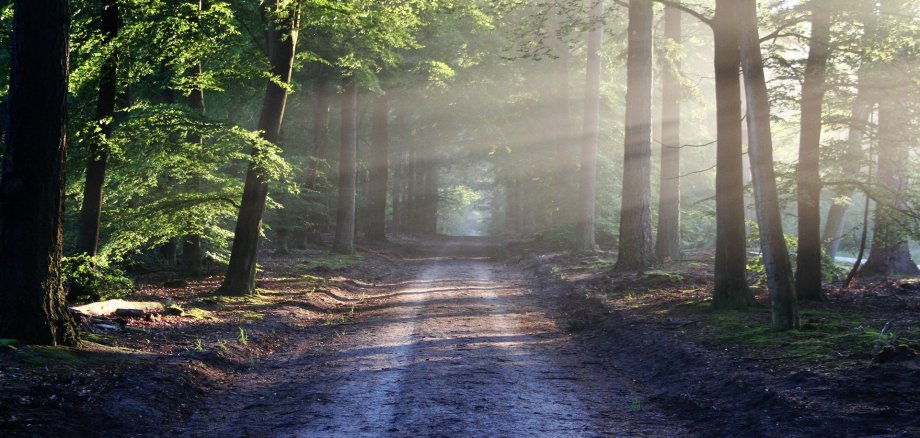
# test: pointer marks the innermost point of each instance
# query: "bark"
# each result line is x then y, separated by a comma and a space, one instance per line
808, 263
889, 254
731, 288
192, 244
322, 102
636, 251
91, 210
585, 236
429, 206
379, 171
282, 41
667, 243
32, 180
784, 304
345, 211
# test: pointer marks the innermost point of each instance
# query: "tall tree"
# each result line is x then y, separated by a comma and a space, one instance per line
784, 304
808, 262
636, 251
890, 251
585, 236
667, 243
379, 171
345, 211
731, 289
192, 244
281, 21
32, 182
91, 211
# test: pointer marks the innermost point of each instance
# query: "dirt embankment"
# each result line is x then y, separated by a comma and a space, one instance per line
717, 378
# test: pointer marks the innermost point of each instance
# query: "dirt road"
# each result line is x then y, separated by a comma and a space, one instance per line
462, 349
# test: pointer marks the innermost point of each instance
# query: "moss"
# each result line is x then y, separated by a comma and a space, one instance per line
703, 304
42, 356
253, 316
822, 336
197, 313
331, 261
658, 277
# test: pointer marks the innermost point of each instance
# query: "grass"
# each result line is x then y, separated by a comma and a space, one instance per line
42, 356
824, 335
197, 313
331, 261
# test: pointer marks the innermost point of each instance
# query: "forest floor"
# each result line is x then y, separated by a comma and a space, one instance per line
447, 337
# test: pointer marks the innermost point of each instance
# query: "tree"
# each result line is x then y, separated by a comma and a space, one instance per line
784, 304
192, 244
808, 262
379, 170
91, 212
731, 289
344, 242
585, 237
32, 182
890, 251
667, 243
281, 37
636, 251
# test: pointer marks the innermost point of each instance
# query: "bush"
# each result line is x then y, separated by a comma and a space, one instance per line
89, 278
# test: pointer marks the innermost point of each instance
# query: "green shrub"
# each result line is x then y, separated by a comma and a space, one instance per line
90, 278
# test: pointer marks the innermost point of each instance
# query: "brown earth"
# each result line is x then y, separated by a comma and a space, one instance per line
438, 338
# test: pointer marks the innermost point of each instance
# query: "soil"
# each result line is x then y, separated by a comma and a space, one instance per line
447, 337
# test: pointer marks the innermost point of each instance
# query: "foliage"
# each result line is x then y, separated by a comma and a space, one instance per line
92, 278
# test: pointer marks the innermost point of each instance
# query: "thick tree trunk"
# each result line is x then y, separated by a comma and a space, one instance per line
282, 41
91, 211
379, 171
808, 263
192, 244
667, 243
636, 251
32, 182
784, 303
345, 211
731, 289
585, 236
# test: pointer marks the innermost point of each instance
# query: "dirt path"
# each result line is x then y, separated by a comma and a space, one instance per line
461, 349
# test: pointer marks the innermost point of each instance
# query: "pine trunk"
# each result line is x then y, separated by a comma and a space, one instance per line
731, 288
348, 172
91, 211
784, 303
191, 245
667, 243
379, 171
636, 251
32, 181
585, 235
241, 272
808, 262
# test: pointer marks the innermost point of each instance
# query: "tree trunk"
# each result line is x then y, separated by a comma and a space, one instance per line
667, 243
731, 288
890, 252
852, 163
91, 211
784, 303
191, 245
345, 211
32, 182
808, 263
636, 251
379, 171
585, 236
282, 41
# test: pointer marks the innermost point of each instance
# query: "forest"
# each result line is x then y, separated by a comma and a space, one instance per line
459, 217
